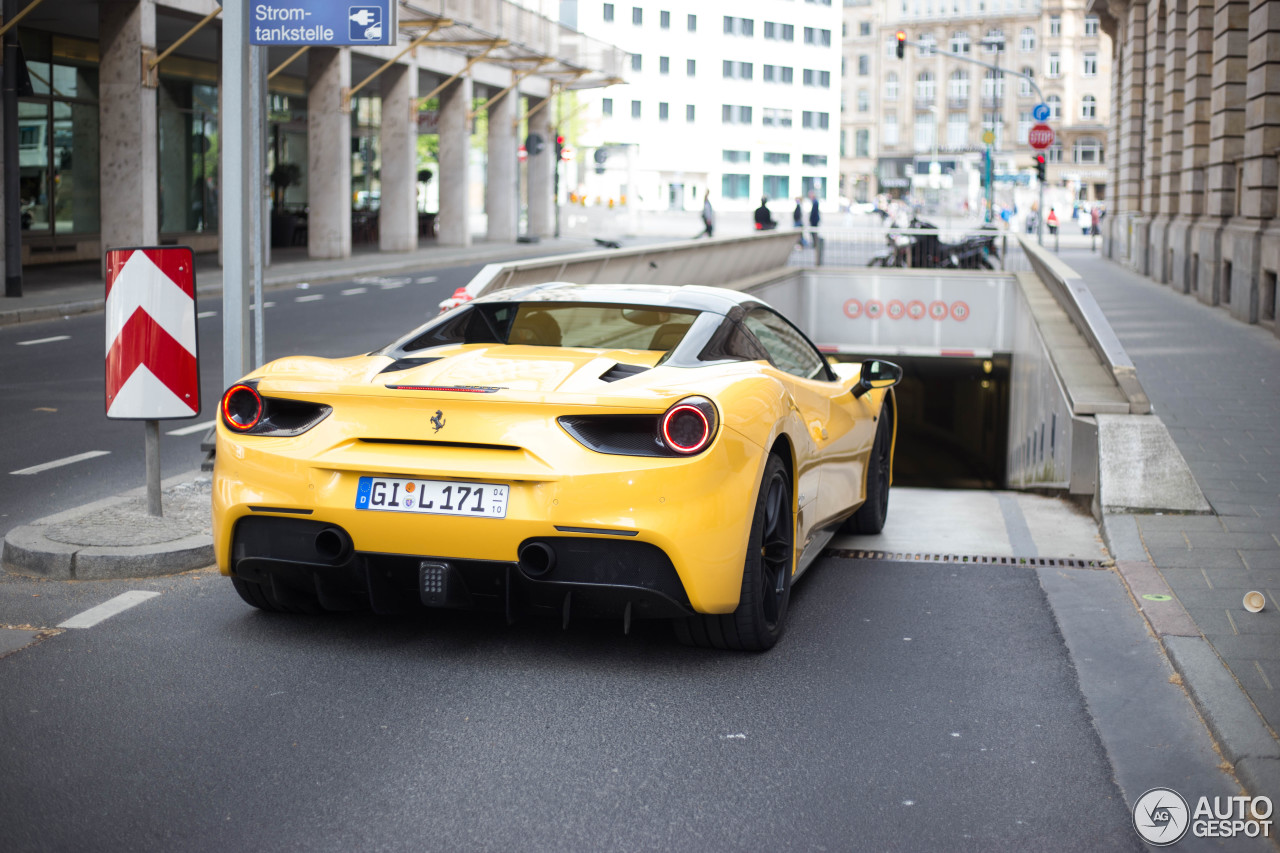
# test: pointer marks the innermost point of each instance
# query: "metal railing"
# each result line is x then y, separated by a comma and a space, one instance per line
908, 248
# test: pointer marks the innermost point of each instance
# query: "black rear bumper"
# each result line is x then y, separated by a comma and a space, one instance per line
303, 563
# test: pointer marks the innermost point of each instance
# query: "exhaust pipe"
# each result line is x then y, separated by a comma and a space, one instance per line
537, 558
333, 544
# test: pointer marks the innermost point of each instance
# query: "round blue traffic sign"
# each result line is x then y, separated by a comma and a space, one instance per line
1040, 112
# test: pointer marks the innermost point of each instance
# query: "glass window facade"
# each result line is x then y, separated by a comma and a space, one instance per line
187, 115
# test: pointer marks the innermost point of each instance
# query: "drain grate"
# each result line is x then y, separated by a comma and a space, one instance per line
977, 559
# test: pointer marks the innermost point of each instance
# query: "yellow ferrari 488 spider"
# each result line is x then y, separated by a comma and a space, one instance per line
626, 451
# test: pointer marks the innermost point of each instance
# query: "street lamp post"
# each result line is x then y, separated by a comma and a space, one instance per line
997, 45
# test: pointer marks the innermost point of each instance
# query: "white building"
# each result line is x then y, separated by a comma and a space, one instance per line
741, 98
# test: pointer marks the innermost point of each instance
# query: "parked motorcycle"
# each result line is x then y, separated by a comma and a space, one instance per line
925, 250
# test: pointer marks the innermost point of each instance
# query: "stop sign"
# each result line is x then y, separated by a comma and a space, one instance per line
1040, 136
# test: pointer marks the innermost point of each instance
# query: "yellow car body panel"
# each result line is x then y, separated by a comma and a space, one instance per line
399, 424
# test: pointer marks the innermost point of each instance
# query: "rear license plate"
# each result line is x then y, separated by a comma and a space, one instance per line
434, 497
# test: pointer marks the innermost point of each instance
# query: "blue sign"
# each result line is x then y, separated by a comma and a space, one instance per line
322, 22
1040, 112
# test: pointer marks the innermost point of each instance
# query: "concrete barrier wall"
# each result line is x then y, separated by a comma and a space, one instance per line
712, 262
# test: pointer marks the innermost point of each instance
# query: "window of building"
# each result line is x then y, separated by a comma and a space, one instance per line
734, 114
813, 35
608, 11
960, 42
664, 65
928, 44
735, 156
635, 62
1055, 64
864, 28
777, 186
926, 132
957, 130
606, 106
862, 143
1090, 67
775, 118
864, 100
1053, 154
1024, 84
958, 87
992, 86
662, 111
779, 32
693, 23
1087, 150
891, 87
1054, 103
993, 40
1089, 107
735, 186
816, 160
734, 70
994, 123
925, 87
635, 109
689, 113
690, 67
1025, 122
188, 162
1055, 25
664, 20
889, 131
1027, 40
814, 184
739, 26
820, 79
777, 158
637, 15
864, 65
816, 120
1090, 25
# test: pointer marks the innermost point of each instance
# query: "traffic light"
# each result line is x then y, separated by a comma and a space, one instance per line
559, 147
902, 44
1040, 163
533, 144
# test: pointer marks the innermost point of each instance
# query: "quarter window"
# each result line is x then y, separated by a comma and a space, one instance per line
789, 351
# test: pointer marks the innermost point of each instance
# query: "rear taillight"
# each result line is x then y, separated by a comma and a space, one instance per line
241, 407
688, 426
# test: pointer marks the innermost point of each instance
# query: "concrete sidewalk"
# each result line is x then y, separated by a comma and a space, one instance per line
1215, 383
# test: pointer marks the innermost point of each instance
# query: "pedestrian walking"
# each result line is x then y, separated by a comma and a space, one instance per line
708, 216
814, 216
1094, 216
1052, 221
797, 221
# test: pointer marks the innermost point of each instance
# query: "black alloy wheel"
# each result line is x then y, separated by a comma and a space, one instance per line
758, 622
870, 517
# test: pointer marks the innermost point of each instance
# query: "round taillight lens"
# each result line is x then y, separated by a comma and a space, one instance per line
241, 408
686, 428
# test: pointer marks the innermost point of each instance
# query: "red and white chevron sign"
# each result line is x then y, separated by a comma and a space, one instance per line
153, 370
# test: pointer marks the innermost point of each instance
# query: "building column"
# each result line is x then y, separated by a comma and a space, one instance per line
127, 132
455, 163
542, 170
1174, 62
1197, 86
1226, 144
398, 213
1148, 243
1132, 73
501, 200
1262, 150
328, 154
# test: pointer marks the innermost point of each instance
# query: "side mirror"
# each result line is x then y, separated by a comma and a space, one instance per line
877, 374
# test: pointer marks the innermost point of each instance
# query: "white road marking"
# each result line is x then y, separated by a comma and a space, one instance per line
188, 430
355, 291
315, 297
44, 340
264, 305
392, 285
426, 279
204, 315
58, 463
107, 609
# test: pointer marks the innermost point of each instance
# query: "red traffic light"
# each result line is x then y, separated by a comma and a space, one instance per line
902, 43
559, 140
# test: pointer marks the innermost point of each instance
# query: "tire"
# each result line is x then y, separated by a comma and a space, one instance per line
758, 622
869, 518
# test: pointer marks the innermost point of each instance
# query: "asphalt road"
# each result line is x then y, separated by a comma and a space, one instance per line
909, 707
52, 398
